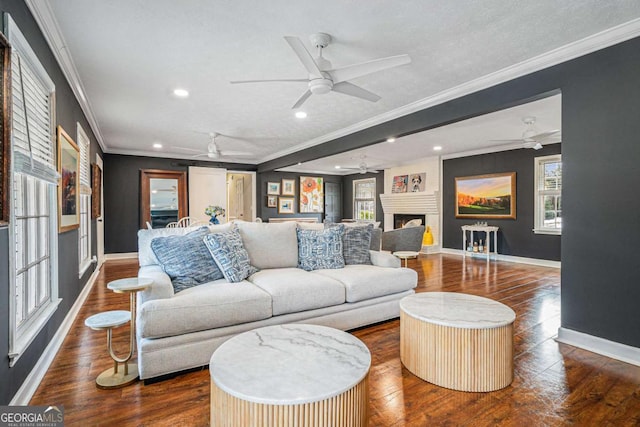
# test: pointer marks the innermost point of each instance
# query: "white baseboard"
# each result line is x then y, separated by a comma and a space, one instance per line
31, 383
121, 255
614, 350
509, 258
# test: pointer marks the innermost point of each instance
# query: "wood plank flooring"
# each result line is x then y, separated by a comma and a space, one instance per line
554, 385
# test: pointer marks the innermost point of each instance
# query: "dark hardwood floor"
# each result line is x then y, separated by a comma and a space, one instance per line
555, 384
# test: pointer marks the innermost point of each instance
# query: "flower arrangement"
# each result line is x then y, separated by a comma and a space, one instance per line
214, 212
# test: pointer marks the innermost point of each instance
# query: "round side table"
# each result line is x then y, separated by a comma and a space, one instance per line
405, 255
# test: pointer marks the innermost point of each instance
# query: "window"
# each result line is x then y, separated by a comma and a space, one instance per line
33, 223
364, 199
548, 194
84, 232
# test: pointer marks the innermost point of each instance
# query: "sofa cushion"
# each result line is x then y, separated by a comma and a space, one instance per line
363, 282
230, 255
270, 245
320, 249
211, 305
145, 236
186, 259
293, 290
356, 243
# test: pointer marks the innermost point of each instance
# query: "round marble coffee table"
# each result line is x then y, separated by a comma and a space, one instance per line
458, 341
286, 375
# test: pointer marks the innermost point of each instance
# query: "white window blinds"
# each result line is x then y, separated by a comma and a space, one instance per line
85, 175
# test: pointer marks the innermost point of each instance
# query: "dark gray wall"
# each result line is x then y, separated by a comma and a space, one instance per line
68, 112
122, 195
347, 194
515, 236
265, 213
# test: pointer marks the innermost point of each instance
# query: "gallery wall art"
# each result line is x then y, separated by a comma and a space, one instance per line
486, 196
311, 194
69, 187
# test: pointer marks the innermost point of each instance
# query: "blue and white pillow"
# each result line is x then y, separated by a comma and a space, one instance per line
320, 249
230, 255
357, 241
186, 259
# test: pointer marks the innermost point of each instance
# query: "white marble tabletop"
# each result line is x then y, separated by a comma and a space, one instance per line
457, 310
108, 319
406, 254
290, 364
131, 284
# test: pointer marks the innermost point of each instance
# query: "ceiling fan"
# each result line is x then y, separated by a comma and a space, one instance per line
213, 152
531, 137
362, 167
324, 79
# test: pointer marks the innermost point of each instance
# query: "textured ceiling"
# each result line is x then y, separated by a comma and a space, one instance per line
130, 55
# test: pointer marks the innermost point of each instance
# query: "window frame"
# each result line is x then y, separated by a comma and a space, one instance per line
22, 335
540, 193
84, 231
356, 199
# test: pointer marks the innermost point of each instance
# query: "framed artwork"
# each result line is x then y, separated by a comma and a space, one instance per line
417, 182
288, 187
272, 201
285, 205
400, 184
69, 186
96, 191
273, 188
486, 196
5, 123
311, 194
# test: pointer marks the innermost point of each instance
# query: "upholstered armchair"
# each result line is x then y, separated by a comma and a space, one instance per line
403, 239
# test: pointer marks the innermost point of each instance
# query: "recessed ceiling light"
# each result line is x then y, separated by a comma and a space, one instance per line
337, 166
391, 140
437, 148
301, 114
299, 163
181, 93
157, 145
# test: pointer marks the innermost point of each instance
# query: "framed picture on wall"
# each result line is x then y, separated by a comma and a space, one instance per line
417, 182
96, 191
400, 184
486, 196
273, 188
286, 205
311, 194
272, 201
288, 187
69, 186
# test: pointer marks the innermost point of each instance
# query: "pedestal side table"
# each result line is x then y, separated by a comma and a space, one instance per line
290, 375
458, 341
405, 255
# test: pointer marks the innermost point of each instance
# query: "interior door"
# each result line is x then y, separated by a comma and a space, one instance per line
333, 202
207, 186
100, 218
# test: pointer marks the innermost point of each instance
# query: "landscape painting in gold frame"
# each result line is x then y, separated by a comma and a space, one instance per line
69, 186
486, 196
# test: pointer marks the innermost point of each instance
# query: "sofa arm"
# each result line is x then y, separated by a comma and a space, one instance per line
161, 287
384, 259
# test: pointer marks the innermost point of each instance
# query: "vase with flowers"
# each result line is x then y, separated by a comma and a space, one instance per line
214, 212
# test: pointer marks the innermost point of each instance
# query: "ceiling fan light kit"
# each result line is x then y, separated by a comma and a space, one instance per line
322, 78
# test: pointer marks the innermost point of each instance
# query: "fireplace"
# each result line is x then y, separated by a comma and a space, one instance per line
399, 220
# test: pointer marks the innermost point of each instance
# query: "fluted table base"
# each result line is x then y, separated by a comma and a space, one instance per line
457, 358
346, 409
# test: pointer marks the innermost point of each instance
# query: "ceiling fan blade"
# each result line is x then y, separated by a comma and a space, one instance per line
544, 135
353, 90
301, 100
187, 149
507, 141
201, 155
303, 55
372, 171
235, 153
235, 82
356, 70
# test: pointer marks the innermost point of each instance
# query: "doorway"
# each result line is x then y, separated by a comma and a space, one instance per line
332, 202
241, 196
100, 216
163, 197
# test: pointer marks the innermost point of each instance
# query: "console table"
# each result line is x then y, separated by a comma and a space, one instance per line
290, 375
458, 341
487, 229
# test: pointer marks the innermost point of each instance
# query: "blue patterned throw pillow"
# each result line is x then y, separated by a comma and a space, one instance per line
230, 255
320, 249
357, 241
186, 259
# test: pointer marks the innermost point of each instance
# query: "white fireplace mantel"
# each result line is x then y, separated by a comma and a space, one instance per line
410, 203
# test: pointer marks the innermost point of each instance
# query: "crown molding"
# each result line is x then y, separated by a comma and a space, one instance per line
44, 17
598, 41
166, 155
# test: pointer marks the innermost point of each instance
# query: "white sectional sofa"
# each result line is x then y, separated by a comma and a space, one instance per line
179, 331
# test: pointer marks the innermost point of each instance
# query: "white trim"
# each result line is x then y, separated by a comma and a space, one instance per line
46, 20
510, 258
612, 349
592, 43
121, 255
31, 383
